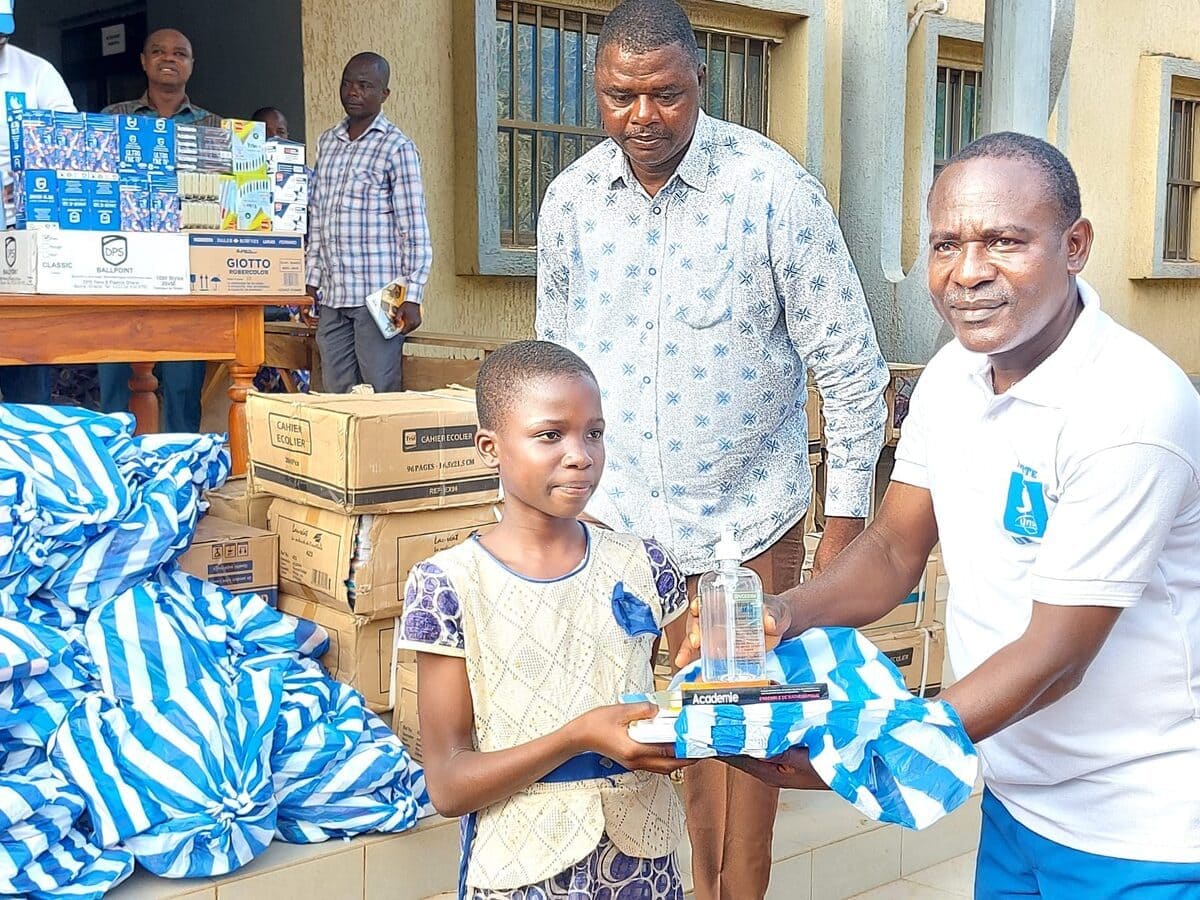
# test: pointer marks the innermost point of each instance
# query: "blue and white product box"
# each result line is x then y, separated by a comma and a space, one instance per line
103, 143
41, 198
74, 201
70, 130
39, 139
14, 108
164, 203
104, 195
134, 197
291, 218
147, 143
289, 184
284, 153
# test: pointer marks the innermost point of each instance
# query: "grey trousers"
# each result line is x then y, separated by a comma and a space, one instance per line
353, 351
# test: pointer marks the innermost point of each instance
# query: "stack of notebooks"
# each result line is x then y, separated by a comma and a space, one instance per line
755, 703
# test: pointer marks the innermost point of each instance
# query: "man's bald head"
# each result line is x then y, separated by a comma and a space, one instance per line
167, 59
365, 86
374, 62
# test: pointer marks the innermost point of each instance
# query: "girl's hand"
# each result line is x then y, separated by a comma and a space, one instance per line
605, 730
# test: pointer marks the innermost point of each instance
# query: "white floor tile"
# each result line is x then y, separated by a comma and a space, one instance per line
856, 864
906, 890
956, 876
953, 836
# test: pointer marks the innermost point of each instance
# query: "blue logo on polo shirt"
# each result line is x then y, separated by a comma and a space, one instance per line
1025, 512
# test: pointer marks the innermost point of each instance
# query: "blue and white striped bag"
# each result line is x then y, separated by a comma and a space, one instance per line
897, 758
145, 712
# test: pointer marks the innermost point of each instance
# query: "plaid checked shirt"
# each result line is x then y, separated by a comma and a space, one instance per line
367, 222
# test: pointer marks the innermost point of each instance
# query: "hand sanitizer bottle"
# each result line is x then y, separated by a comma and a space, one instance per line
732, 645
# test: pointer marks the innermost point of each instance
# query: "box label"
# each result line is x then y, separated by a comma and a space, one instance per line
454, 437
900, 658
288, 433
309, 555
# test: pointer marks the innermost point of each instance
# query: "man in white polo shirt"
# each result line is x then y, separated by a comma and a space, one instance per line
24, 73
1057, 457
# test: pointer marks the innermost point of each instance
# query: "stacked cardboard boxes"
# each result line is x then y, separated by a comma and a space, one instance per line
363, 487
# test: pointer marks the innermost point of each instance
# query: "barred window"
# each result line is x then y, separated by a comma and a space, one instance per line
959, 98
1183, 180
546, 108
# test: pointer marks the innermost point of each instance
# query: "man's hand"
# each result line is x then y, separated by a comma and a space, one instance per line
408, 317
838, 534
777, 619
306, 312
788, 770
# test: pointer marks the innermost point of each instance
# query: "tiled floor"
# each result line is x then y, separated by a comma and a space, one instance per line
953, 878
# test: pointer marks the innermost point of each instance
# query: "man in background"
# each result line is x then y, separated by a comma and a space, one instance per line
274, 119
167, 60
366, 229
22, 72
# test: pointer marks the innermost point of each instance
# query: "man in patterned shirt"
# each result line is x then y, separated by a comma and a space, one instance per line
167, 60
699, 270
367, 228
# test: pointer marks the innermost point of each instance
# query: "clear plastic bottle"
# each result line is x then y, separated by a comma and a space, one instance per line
732, 646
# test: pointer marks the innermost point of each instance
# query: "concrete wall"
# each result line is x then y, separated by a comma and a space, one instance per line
415, 37
1104, 127
1098, 122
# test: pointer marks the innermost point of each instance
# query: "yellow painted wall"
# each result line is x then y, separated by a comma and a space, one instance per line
1103, 121
415, 37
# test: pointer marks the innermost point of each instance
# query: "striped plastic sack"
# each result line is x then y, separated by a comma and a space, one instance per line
339, 770
42, 852
179, 769
897, 758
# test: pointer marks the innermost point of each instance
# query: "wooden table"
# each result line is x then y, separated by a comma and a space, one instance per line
292, 345
60, 330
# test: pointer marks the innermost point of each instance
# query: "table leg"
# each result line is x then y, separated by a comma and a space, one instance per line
143, 401
243, 382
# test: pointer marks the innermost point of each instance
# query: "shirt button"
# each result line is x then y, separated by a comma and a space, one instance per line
650, 326
654, 493
654, 271
658, 210
648, 435
646, 379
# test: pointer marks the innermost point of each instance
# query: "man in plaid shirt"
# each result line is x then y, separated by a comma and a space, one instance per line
367, 228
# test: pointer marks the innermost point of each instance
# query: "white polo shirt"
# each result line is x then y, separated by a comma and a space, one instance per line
23, 72
1079, 486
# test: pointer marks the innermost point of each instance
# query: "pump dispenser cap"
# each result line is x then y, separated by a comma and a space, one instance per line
728, 549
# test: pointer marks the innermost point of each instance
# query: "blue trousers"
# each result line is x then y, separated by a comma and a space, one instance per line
26, 384
1015, 862
179, 383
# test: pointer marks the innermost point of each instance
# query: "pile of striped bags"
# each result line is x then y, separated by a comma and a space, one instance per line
897, 758
147, 716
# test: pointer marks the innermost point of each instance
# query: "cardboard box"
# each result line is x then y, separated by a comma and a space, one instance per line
915, 610
919, 654
105, 262
18, 263
359, 563
816, 425
398, 452
405, 723
238, 557
235, 264
236, 501
360, 650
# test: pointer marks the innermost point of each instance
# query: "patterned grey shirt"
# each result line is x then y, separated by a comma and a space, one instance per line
700, 310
